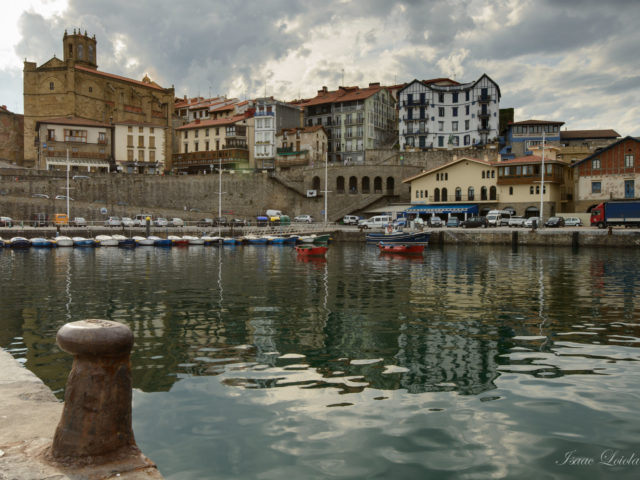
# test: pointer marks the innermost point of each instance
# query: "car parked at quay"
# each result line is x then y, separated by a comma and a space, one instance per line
176, 222
554, 222
528, 223
239, 222
453, 222
517, 221
127, 222
79, 222
161, 222
351, 219
113, 222
303, 219
435, 221
572, 222
6, 221
474, 222
205, 222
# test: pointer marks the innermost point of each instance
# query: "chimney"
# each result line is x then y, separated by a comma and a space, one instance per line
374, 84
197, 121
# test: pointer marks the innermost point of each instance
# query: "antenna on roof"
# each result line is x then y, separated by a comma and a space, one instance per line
342, 77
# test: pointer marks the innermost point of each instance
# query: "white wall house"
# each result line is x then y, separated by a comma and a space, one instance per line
271, 116
139, 148
445, 114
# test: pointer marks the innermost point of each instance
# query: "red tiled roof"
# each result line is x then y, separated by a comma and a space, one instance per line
215, 123
528, 159
223, 108
308, 129
118, 77
75, 121
578, 134
343, 94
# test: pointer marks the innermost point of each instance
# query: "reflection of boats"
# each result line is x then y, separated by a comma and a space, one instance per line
415, 238
83, 242
19, 242
2, 243
124, 242
311, 250
63, 241
178, 241
106, 241
40, 242
316, 259
400, 248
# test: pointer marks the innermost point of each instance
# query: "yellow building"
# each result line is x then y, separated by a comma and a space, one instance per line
74, 87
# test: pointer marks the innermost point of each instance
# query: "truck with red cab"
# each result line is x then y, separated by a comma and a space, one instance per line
611, 214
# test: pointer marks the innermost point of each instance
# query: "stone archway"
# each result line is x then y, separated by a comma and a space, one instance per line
377, 185
340, 184
366, 185
390, 185
353, 185
315, 184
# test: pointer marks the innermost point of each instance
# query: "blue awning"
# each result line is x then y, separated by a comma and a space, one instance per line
472, 209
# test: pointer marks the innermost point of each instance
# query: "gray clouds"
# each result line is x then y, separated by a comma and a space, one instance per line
555, 59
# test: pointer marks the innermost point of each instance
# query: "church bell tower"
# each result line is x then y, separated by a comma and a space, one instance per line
80, 49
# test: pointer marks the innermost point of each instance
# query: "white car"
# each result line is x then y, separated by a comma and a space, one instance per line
351, 219
529, 222
113, 222
79, 222
516, 221
127, 221
162, 222
303, 218
63, 197
572, 222
176, 222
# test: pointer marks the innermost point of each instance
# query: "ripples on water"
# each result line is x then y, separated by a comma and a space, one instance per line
469, 362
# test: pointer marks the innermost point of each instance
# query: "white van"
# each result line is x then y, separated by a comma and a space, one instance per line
378, 221
497, 218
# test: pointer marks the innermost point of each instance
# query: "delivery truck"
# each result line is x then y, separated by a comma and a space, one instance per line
611, 214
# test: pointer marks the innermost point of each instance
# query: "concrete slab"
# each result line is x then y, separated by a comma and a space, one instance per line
29, 415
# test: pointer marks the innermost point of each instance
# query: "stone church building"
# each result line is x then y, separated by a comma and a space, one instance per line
74, 88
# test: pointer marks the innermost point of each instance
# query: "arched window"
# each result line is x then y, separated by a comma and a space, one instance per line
436, 195
417, 193
377, 185
482, 173
493, 193
483, 193
80, 52
353, 185
340, 184
510, 190
444, 194
366, 185
493, 174
458, 194
315, 184
471, 194
390, 185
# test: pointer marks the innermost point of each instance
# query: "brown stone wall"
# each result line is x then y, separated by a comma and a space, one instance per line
11, 137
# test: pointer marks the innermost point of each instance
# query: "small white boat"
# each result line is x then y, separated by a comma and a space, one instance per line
63, 241
307, 238
39, 242
107, 241
143, 241
211, 240
194, 240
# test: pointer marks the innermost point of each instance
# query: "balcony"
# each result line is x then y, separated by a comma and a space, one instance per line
484, 114
484, 129
265, 114
484, 98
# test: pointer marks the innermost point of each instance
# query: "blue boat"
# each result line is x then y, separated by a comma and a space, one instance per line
39, 242
84, 242
19, 242
2, 243
161, 242
415, 238
291, 240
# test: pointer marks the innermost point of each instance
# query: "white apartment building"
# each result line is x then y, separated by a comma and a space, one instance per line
271, 116
442, 113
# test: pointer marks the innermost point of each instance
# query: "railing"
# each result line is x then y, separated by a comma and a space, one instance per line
484, 98
483, 114
265, 114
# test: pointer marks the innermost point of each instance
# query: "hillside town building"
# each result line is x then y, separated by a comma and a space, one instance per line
356, 120
442, 113
74, 87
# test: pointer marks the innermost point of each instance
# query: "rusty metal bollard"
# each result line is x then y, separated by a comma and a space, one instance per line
96, 420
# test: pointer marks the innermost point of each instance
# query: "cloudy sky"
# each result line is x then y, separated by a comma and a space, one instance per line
569, 60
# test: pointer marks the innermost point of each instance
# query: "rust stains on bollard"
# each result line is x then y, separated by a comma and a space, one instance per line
96, 420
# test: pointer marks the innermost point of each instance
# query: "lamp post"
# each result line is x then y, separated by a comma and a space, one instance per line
542, 185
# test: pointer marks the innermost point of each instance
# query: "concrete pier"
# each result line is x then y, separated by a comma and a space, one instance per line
29, 414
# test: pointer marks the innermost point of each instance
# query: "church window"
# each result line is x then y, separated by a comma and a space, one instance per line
51, 85
90, 89
91, 52
80, 52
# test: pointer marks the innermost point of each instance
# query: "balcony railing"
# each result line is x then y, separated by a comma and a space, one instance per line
484, 114
484, 98
265, 114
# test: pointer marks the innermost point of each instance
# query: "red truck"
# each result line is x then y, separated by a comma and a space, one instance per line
611, 214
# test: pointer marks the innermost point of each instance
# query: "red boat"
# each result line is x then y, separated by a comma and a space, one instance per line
311, 250
400, 248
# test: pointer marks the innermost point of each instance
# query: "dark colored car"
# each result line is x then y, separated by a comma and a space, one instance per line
205, 222
554, 222
220, 221
474, 222
238, 222
453, 222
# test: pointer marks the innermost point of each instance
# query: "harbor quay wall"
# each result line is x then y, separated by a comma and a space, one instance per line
574, 237
192, 197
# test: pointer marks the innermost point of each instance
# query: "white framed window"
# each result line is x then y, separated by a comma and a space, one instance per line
628, 160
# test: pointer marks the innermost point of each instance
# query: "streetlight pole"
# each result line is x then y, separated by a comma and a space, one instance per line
68, 167
542, 185
326, 185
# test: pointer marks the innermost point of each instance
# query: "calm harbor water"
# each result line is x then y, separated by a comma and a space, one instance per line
467, 362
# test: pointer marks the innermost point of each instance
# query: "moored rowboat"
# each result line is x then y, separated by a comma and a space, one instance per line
311, 250
400, 248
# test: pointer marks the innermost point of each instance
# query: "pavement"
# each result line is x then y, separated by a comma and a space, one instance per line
29, 415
